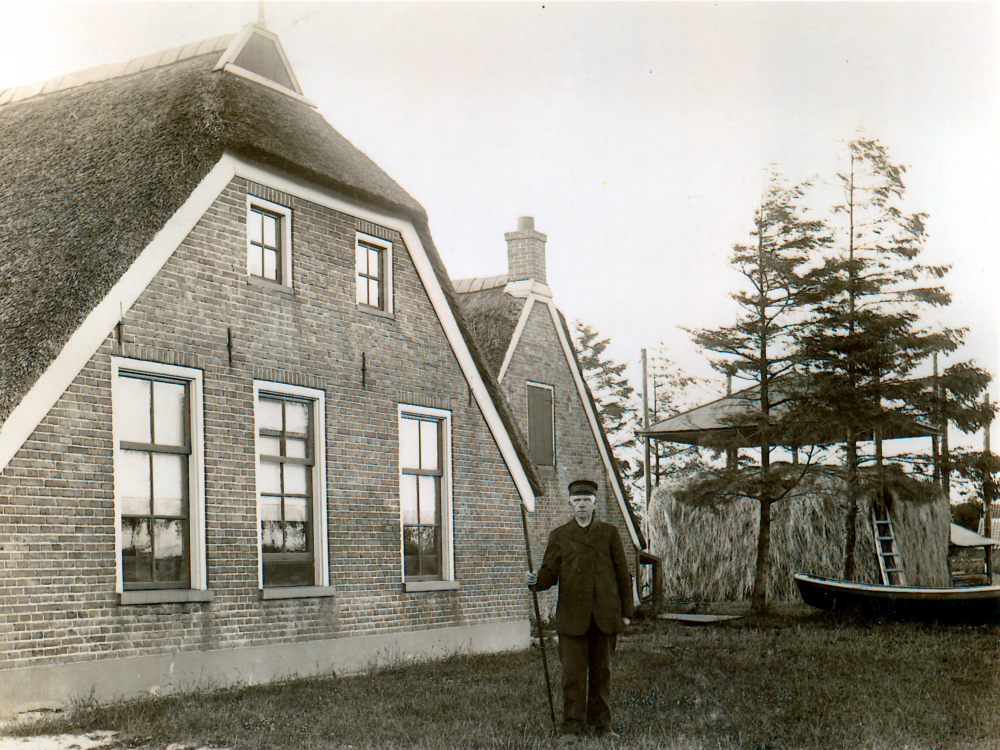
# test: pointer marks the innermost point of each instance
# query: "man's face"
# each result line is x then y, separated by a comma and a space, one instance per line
583, 508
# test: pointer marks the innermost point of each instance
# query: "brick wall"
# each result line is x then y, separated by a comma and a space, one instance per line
57, 536
539, 358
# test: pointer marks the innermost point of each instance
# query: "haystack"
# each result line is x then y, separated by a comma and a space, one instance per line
709, 553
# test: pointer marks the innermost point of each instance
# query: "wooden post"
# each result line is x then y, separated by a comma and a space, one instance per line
987, 495
645, 426
732, 455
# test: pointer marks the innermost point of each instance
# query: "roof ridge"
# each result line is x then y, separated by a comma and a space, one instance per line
479, 283
118, 70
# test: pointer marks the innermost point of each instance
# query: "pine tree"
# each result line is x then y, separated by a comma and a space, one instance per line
614, 397
761, 347
670, 395
866, 339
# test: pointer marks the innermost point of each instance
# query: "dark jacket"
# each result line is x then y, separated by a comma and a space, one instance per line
592, 572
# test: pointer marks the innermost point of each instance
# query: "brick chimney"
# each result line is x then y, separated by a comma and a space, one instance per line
525, 252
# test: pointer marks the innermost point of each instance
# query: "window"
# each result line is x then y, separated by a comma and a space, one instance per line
290, 487
158, 476
269, 241
541, 424
373, 271
424, 493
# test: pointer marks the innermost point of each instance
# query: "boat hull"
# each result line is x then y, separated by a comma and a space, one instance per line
958, 604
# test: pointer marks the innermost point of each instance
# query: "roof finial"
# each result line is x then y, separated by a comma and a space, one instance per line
260, 12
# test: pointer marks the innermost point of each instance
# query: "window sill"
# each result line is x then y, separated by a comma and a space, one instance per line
418, 586
297, 592
375, 311
165, 596
273, 286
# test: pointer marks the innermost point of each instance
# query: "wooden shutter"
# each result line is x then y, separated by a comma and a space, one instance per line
540, 426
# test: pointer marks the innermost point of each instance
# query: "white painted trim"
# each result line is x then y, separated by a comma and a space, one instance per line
447, 507
227, 61
528, 287
196, 469
93, 331
387, 287
285, 224
595, 425
286, 183
321, 542
516, 338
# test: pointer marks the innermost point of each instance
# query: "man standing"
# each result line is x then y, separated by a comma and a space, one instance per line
587, 559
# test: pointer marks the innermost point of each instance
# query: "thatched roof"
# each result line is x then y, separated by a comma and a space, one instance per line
721, 422
90, 171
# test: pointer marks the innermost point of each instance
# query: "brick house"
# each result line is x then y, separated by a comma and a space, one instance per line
244, 430
528, 347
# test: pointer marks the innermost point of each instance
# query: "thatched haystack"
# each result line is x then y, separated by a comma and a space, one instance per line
709, 553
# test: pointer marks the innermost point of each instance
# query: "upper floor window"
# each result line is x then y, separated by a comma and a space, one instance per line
158, 475
424, 493
290, 485
373, 271
269, 241
541, 424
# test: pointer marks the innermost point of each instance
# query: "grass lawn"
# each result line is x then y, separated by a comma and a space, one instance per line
796, 678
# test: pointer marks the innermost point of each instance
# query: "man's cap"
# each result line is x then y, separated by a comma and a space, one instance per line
582, 487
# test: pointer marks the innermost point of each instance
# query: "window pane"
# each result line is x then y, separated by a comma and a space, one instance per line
254, 228
428, 445
296, 417
132, 477
133, 410
271, 536
411, 551
170, 564
374, 298
269, 414
269, 479
270, 446
429, 563
373, 263
168, 484
295, 537
427, 487
256, 261
137, 548
362, 297
409, 443
361, 260
270, 508
408, 499
270, 264
270, 231
168, 416
295, 479
296, 509
281, 573
295, 448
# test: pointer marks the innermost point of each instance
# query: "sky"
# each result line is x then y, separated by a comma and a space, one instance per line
637, 134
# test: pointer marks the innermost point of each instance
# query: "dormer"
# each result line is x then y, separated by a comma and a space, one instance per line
257, 55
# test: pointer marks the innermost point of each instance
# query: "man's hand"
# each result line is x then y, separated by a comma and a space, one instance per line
626, 621
531, 578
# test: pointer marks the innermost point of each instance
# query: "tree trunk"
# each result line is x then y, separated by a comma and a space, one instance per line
851, 535
758, 599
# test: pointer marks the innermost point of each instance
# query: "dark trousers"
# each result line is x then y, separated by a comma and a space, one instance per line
586, 679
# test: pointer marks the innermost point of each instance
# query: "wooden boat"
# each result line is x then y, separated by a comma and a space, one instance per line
956, 604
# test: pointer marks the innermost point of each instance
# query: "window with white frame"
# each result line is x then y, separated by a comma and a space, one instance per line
158, 475
425, 493
541, 424
290, 487
269, 241
373, 272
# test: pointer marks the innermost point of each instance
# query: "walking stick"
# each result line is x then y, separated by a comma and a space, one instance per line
538, 617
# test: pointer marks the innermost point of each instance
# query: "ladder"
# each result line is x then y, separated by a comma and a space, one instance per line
889, 562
